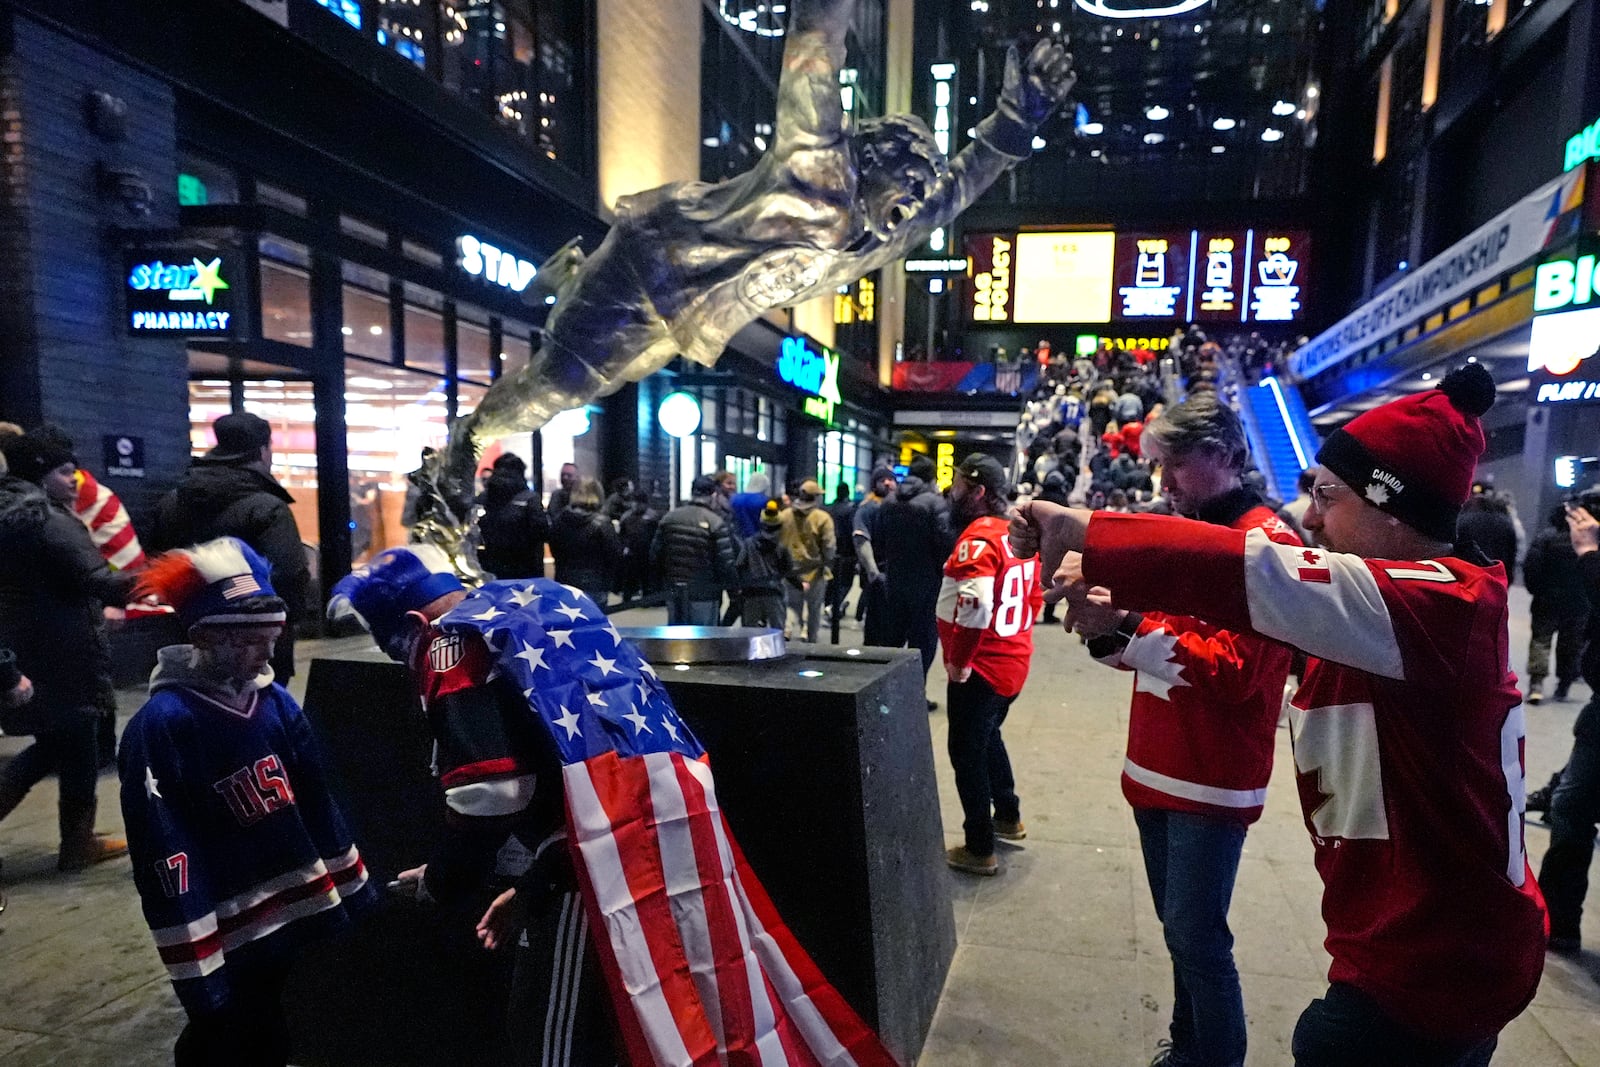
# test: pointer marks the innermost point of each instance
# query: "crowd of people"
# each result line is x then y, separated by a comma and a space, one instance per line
1382, 587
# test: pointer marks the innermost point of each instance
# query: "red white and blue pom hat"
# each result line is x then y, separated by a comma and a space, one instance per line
394, 582
217, 583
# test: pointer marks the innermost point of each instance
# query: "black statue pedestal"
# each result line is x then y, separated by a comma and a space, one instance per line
824, 766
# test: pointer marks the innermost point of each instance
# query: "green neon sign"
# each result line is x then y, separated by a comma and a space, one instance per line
1583, 146
192, 191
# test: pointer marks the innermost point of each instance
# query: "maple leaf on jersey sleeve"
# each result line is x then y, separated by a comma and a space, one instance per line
1152, 655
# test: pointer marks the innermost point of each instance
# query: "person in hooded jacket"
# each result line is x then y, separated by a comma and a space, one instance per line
584, 543
1560, 608
639, 522
747, 505
809, 536
53, 585
513, 525
230, 492
766, 574
694, 547
911, 541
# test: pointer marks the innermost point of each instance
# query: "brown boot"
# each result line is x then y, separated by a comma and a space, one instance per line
82, 853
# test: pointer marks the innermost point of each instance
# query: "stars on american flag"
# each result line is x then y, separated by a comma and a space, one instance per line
569, 722
605, 666
562, 638
533, 656
572, 612
489, 613
640, 724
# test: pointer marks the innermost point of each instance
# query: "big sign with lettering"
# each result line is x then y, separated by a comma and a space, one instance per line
182, 292
811, 371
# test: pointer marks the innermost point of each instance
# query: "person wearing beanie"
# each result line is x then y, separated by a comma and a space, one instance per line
54, 586
843, 513
693, 552
911, 543
513, 526
748, 504
1407, 727
226, 803
500, 778
871, 611
987, 603
230, 492
96, 506
808, 534
766, 573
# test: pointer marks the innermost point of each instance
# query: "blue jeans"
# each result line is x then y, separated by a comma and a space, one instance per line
1191, 862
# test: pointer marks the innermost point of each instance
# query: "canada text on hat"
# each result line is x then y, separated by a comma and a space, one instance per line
396, 581
216, 583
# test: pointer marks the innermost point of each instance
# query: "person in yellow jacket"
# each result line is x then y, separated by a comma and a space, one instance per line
807, 532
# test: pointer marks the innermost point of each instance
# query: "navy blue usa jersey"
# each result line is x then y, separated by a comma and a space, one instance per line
239, 852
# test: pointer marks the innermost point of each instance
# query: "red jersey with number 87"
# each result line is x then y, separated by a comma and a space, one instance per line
987, 604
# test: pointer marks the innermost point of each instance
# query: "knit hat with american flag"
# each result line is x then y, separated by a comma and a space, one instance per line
217, 583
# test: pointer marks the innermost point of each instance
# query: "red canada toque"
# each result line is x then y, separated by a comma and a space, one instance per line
1414, 457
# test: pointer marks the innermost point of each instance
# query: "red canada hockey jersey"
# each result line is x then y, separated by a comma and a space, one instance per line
1206, 702
987, 603
1408, 740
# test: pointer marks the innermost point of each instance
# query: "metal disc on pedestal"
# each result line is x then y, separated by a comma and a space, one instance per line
662, 645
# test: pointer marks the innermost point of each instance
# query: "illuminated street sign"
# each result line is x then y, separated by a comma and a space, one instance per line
181, 292
496, 265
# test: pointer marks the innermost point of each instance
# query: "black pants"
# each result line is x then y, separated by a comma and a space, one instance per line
844, 573
72, 754
1346, 1028
873, 610
913, 621
1565, 631
1574, 812
559, 1015
250, 1032
978, 756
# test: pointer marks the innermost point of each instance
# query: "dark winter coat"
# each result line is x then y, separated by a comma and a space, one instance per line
243, 500
1550, 571
1492, 531
53, 583
694, 544
912, 539
586, 549
844, 520
513, 528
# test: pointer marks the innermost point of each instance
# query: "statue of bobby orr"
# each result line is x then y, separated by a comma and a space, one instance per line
687, 265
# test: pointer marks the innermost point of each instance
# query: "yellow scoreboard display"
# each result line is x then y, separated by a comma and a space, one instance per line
1063, 277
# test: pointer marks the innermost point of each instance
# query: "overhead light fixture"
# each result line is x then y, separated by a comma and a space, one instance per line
1282, 107
1152, 10
1155, 112
1092, 129
1154, 138
1311, 92
1038, 143
1266, 27
1223, 125
710, 142
1272, 133
1217, 149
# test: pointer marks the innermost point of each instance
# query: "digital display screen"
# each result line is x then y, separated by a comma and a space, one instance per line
1089, 277
1063, 277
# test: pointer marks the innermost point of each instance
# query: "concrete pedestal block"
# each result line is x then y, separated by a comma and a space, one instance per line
824, 766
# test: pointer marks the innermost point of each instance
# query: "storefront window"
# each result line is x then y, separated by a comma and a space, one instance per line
408, 29
571, 437
516, 346
842, 457
291, 410
202, 181
285, 291
468, 397
425, 330
366, 314
473, 354
391, 415
282, 199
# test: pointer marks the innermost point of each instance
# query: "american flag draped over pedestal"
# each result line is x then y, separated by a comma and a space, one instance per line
702, 969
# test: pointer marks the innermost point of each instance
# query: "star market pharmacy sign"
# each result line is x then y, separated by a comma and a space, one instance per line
811, 372
181, 292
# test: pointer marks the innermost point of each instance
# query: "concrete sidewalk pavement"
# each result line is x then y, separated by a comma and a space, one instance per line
1061, 962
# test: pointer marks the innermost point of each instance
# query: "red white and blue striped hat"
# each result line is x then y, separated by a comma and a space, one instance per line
217, 583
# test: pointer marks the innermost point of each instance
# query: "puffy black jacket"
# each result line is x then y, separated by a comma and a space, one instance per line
912, 538
694, 544
586, 550
1550, 571
513, 527
1493, 532
238, 500
844, 520
53, 583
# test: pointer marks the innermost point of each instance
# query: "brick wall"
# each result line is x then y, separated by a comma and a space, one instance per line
66, 358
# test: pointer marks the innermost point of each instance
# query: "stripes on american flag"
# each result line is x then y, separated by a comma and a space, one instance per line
702, 969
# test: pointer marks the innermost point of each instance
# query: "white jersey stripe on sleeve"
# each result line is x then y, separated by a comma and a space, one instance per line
198, 930
501, 796
1325, 603
968, 603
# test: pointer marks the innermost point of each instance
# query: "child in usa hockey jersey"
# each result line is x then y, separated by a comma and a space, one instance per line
239, 853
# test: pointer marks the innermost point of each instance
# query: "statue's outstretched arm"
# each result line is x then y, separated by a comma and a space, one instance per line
810, 112
1030, 93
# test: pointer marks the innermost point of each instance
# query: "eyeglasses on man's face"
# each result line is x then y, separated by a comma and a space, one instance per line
1323, 492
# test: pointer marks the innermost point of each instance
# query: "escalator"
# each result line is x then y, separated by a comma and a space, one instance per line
1282, 438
